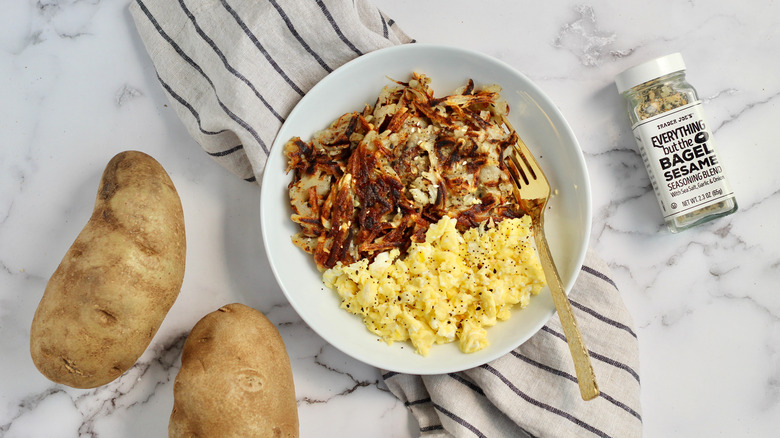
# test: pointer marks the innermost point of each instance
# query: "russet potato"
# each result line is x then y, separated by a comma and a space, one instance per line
235, 379
109, 295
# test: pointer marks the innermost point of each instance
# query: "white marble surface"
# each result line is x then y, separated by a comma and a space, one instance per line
77, 88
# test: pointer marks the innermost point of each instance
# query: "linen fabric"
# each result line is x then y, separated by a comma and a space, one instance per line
234, 69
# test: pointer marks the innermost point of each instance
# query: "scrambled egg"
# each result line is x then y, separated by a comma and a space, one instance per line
450, 287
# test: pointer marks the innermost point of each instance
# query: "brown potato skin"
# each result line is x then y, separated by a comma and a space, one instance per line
109, 295
235, 379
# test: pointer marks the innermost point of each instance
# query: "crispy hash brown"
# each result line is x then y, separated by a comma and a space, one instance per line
375, 180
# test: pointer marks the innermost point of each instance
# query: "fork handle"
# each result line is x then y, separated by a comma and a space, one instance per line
582, 366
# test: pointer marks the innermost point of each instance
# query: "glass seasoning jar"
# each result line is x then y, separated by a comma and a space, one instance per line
675, 142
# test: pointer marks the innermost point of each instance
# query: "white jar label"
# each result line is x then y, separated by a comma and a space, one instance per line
686, 173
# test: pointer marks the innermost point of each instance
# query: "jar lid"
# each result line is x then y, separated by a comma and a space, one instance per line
648, 71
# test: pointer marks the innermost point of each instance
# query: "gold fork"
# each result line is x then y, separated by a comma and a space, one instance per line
532, 191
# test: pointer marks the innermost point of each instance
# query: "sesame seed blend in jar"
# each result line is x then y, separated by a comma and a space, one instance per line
676, 144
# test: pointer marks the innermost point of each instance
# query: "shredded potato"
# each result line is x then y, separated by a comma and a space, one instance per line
376, 180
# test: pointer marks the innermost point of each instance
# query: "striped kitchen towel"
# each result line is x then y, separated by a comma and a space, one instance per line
533, 392
234, 69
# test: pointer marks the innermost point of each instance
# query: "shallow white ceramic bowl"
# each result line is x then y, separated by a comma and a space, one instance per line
537, 121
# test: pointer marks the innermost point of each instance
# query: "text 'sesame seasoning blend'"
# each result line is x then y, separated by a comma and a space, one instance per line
676, 143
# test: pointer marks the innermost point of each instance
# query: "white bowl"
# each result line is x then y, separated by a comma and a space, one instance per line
537, 121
